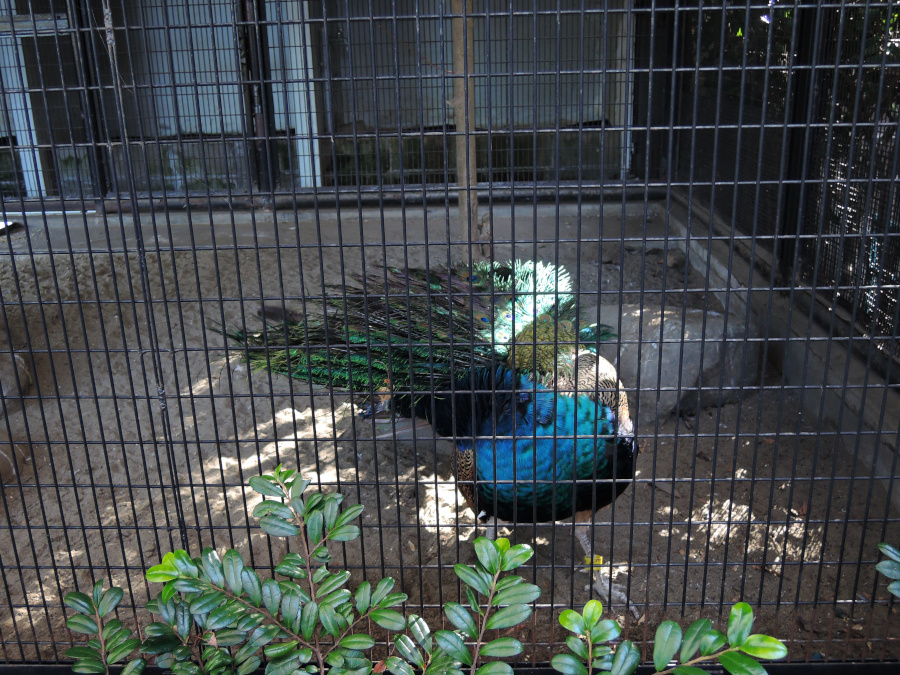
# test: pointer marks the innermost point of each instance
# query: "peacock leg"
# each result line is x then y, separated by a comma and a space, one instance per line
608, 591
491, 528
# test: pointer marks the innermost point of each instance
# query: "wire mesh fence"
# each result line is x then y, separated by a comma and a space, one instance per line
217, 217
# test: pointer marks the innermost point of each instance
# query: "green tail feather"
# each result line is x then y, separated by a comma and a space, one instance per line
410, 330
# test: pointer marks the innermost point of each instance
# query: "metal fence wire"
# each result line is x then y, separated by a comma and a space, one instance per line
717, 181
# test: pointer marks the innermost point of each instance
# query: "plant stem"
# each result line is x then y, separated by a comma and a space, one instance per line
100, 638
699, 659
487, 610
309, 574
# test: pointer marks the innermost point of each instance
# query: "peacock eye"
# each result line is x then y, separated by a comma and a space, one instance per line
508, 315
484, 319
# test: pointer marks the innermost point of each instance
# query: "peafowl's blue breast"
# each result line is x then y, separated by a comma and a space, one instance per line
557, 439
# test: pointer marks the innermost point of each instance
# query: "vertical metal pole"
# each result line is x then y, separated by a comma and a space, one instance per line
259, 107
464, 115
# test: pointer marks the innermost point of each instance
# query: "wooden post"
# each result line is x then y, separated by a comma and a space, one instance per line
463, 103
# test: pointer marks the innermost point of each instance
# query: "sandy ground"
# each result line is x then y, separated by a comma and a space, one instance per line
737, 502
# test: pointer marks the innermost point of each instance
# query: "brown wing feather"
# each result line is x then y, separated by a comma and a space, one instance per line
464, 467
597, 378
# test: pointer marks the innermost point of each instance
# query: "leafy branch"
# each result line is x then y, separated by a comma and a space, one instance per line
588, 645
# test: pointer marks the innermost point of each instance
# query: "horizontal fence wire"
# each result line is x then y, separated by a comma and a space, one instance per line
216, 217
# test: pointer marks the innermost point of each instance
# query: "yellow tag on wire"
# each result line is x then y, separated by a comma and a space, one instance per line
596, 562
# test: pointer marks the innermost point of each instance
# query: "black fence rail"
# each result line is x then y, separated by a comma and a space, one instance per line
211, 210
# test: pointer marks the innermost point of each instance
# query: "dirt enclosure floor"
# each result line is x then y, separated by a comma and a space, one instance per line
736, 502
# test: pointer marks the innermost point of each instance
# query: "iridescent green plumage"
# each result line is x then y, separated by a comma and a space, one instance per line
410, 329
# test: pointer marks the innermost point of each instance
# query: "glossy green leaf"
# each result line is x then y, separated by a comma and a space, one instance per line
83, 653
382, 588
358, 641
488, 555
420, 630
889, 551
278, 527
605, 631
123, 650
228, 637
348, 532
185, 564
515, 557
334, 582
117, 637
668, 640
577, 646
502, 647
764, 647
329, 514
207, 602
568, 665
740, 621
250, 621
110, 627
263, 635
408, 650
460, 618
269, 507
223, 616
473, 601
593, 612
518, 594
689, 670
160, 644
351, 512
97, 590
626, 659
692, 637
245, 652
212, 567
309, 617
189, 585
161, 573
280, 649
889, 568
249, 665
80, 623
80, 602
894, 588
232, 566
508, 617
314, 524
393, 599
494, 668
88, 666
265, 485
157, 628
252, 586
712, 642
388, 618
740, 664
471, 577
271, 595
363, 597
291, 570
453, 644
572, 621
290, 606
397, 666
134, 667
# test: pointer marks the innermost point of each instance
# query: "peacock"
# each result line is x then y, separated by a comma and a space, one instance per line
490, 354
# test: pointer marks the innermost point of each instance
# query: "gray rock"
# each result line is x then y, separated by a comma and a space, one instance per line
15, 382
695, 364
13, 456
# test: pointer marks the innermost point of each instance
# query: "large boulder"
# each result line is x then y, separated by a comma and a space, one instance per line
691, 357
